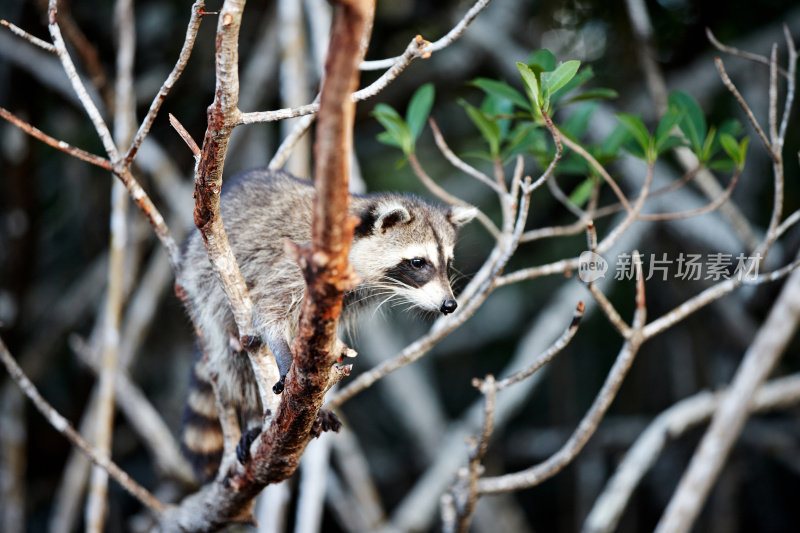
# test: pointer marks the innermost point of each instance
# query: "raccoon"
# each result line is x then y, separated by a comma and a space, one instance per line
402, 249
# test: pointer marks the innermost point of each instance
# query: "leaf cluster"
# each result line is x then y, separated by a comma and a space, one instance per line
511, 122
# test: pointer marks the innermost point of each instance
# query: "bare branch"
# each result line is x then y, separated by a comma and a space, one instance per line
465, 489
484, 284
554, 231
711, 206
732, 88
301, 127
538, 473
578, 149
553, 350
669, 425
442, 43
276, 452
63, 426
726, 425
447, 197
418, 47
185, 135
740, 53
124, 117
55, 143
460, 163
183, 58
790, 85
16, 30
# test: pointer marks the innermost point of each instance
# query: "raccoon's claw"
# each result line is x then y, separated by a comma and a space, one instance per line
243, 448
278, 387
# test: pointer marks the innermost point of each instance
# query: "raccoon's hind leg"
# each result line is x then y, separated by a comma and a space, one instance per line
201, 440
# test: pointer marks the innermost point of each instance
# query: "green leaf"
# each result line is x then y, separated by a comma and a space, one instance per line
708, 145
499, 110
669, 143
734, 150
593, 94
581, 194
542, 61
572, 165
502, 90
693, 123
732, 127
477, 154
576, 124
524, 137
488, 128
419, 108
584, 75
730, 145
722, 165
531, 86
743, 151
611, 144
553, 81
396, 128
636, 128
386, 138
665, 127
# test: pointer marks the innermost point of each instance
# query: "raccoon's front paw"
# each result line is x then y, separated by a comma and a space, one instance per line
243, 448
278, 387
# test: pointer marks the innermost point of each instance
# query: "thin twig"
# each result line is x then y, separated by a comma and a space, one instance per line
578, 149
536, 474
447, 197
790, 221
675, 185
726, 425
124, 117
711, 206
554, 231
732, 88
55, 143
185, 135
63, 426
440, 44
16, 30
553, 350
465, 491
736, 52
669, 425
505, 249
294, 83
183, 58
301, 127
605, 305
460, 163
791, 81
418, 47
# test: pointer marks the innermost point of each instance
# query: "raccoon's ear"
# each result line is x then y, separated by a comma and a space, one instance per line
461, 214
387, 215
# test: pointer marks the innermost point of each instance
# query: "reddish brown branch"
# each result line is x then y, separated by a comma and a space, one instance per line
324, 265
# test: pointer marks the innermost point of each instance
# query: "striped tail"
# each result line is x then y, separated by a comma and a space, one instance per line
202, 441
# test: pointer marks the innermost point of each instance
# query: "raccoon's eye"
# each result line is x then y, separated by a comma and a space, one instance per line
417, 262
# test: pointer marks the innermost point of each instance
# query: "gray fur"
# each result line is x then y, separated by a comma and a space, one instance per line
260, 209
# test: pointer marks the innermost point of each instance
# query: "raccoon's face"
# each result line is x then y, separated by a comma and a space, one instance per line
404, 250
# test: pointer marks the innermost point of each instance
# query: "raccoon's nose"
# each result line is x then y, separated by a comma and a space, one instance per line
448, 306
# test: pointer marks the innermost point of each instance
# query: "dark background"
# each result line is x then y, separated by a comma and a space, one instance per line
54, 227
